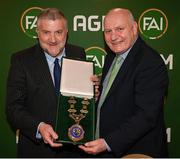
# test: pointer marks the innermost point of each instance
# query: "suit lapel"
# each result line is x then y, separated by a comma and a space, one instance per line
67, 51
43, 71
129, 62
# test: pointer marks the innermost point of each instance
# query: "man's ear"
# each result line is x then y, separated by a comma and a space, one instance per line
36, 30
135, 27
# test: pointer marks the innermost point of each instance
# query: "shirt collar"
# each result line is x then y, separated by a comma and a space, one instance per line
51, 59
124, 55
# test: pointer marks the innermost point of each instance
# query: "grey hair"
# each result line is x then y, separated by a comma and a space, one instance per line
51, 14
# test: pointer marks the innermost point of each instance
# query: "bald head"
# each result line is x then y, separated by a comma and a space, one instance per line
121, 11
120, 30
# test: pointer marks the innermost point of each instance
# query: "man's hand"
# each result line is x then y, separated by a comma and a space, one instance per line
48, 135
96, 82
94, 147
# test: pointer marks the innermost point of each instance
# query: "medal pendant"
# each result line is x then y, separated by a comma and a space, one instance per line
76, 132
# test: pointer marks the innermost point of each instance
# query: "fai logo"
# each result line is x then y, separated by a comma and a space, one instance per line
28, 21
97, 55
153, 23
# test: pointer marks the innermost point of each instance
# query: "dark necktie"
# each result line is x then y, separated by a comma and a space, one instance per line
57, 75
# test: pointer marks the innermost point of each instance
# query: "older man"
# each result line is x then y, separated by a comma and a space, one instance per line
134, 83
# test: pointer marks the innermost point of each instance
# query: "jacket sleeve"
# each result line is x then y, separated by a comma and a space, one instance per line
16, 111
150, 85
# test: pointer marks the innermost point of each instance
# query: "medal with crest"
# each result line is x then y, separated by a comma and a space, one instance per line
75, 118
76, 131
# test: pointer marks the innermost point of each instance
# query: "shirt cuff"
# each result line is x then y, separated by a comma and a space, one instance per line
38, 135
107, 146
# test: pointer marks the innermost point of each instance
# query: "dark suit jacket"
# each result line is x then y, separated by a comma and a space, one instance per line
131, 119
31, 99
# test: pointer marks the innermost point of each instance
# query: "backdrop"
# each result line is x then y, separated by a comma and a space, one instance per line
158, 25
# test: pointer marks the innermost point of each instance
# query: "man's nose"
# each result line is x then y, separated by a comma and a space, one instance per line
113, 36
53, 38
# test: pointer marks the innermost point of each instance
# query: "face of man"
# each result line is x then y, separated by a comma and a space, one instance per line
120, 31
52, 35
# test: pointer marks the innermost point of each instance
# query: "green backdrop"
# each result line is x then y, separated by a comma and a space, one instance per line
158, 24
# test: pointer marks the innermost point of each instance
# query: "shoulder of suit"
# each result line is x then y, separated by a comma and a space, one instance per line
147, 55
145, 48
27, 51
72, 46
